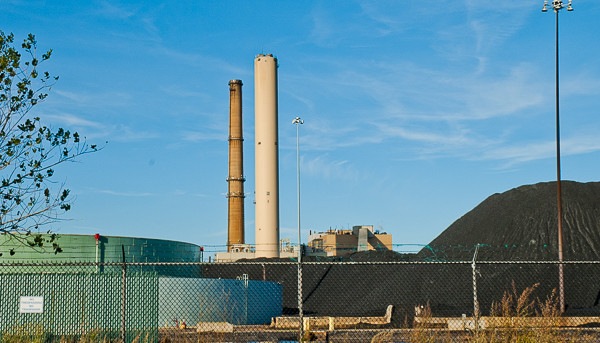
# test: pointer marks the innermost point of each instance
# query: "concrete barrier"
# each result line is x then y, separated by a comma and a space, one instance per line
214, 327
331, 323
468, 323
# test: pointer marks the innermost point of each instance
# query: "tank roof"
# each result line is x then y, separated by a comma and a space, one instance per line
109, 236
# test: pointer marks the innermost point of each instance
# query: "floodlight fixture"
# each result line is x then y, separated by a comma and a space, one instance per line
557, 5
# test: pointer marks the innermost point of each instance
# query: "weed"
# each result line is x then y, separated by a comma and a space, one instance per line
383, 337
520, 319
28, 333
422, 331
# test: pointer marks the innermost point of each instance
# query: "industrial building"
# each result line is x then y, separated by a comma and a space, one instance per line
247, 251
330, 243
345, 242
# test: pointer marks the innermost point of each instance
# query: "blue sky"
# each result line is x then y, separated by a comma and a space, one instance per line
415, 111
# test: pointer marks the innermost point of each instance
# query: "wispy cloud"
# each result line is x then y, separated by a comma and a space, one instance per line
199, 59
126, 194
124, 133
515, 154
373, 10
194, 136
93, 99
97, 130
88, 129
322, 138
73, 121
184, 92
323, 166
580, 84
432, 113
114, 10
72, 96
323, 33
493, 24
453, 139
520, 90
428, 94
150, 26
140, 20
309, 103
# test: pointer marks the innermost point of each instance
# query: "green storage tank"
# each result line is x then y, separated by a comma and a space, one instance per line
97, 248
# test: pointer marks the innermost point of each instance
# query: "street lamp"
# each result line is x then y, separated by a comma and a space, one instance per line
557, 5
299, 121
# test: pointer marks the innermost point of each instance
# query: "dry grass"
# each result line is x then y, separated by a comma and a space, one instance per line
28, 333
422, 331
34, 333
519, 318
383, 337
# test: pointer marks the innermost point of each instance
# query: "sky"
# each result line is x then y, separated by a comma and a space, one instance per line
414, 111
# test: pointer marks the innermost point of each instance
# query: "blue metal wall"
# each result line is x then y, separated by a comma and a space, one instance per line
238, 302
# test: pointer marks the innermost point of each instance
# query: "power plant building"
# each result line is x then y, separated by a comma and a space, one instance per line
266, 157
346, 242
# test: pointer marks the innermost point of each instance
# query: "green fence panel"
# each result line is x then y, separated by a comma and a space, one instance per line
79, 303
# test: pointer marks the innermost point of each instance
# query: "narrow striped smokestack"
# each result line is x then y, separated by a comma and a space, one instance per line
235, 180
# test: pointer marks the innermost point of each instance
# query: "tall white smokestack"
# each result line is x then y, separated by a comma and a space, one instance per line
266, 156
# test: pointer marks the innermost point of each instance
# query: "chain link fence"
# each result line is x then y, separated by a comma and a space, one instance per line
259, 302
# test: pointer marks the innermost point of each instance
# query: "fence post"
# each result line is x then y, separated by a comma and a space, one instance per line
475, 302
123, 296
300, 321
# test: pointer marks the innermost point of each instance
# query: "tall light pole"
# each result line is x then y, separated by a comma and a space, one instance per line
557, 5
299, 121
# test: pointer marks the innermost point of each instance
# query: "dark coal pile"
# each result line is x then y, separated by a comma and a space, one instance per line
522, 224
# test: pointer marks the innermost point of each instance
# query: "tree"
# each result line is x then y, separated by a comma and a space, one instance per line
29, 151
